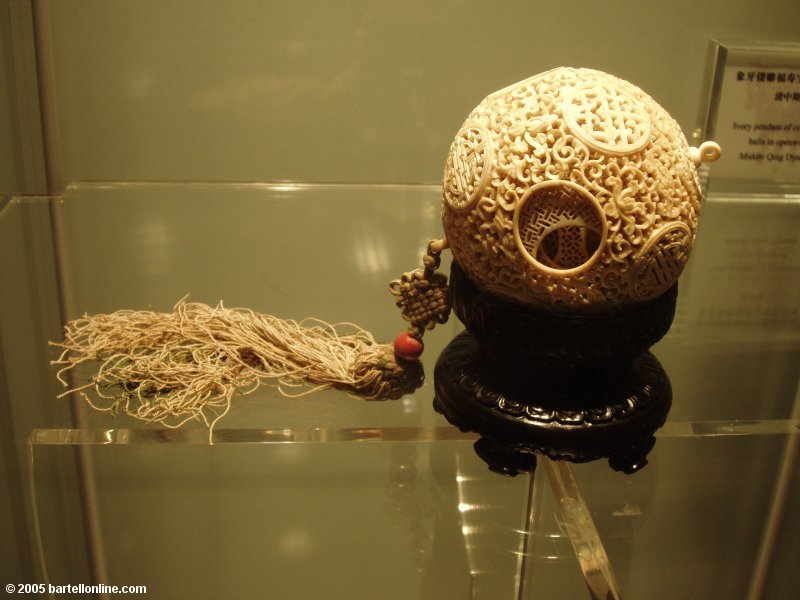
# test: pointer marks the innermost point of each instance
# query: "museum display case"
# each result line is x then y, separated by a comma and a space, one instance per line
332, 496
288, 159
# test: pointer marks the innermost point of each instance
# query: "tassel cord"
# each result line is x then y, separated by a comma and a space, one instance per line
175, 367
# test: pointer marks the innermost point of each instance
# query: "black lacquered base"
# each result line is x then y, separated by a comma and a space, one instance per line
581, 420
569, 385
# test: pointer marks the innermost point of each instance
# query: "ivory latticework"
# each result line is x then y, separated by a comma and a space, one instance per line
571, 189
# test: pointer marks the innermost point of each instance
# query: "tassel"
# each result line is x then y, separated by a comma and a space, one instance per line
172, 368
186, 365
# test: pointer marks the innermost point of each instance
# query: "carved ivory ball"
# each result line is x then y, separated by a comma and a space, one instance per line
572, 190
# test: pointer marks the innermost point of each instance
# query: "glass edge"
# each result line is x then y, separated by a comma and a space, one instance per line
731, 190
246, 436
278, 186
737, 47
32, 199
709, 97
11, 203
73, 437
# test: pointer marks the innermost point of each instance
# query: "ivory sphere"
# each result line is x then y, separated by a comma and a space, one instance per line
572, 189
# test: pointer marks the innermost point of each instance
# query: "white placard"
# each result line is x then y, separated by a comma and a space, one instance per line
754, 113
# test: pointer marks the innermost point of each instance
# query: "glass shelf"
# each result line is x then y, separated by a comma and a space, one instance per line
284, 500
422, 502
90, 437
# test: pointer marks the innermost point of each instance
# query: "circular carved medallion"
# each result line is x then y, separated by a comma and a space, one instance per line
468, 167
559, 227
661, 261
606, 118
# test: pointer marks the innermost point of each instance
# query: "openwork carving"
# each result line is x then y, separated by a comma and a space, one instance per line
572, 189
467, 168
558, 227
661, 261
607, 118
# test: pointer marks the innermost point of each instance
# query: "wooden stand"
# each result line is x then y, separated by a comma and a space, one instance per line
572, 387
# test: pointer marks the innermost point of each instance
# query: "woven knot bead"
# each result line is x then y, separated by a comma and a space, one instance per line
423, 298
382, 377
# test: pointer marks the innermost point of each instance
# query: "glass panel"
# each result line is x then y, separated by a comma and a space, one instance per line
299, 520
419, 511
293, 251
328, 251
29, 317
298, 495
733, 351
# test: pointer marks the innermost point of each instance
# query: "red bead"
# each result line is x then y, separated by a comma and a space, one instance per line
407, 347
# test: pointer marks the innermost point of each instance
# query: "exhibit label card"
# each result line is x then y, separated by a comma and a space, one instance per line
754, 113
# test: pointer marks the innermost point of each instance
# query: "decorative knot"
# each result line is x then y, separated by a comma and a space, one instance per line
423, 295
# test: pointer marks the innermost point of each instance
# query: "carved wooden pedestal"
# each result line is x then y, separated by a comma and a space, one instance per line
573, 387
